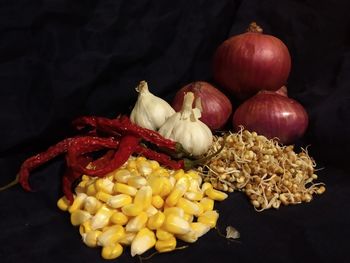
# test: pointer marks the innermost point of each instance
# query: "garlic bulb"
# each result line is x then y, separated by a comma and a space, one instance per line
150, 111
186, 128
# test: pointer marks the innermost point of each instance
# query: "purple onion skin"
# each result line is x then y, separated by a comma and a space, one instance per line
247, 63
272, 115
217, 108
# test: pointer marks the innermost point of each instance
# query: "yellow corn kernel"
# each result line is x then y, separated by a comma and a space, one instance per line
83, 184
111, 235
104, 185
176, 225
199, 228
140, 159
137, 181
156, 183
175, 195
119, 218
159, 172
133, 172
122, 175
110, 177
194, 175
131, 209
209, 218
172, 181
85, 178
207, 203
189, 237
85, 227
201, 208
167, 186
183, 181
157, 201
78, 217
127, 239
90, 238
188, 206
102, 196
136, 223
143, 197
63, 203
166, 245
188, 217
91, 204
216, 194
179, 173
124, 189
154, 164
194, 196
151, 210
174, 210
143, 167
112, 251
91, 190
156, 221
77, 203
144, 240
120, 200
194, 186
162, 234
131, 164
206, 186
101, 218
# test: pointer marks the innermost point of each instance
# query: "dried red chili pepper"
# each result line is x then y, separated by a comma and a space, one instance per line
57, 149
125, 149
104, 160
39, 159
122, 126
81, 146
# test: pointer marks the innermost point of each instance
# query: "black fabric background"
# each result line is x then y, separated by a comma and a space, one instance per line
62, 59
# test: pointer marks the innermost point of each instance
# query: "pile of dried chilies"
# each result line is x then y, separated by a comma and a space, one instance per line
119, 138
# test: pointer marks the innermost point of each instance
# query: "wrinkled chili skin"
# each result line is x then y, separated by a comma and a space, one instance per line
71, 176
126, 148
160, 157
83, 145
122, 126
123, 140
61, 147
39, 159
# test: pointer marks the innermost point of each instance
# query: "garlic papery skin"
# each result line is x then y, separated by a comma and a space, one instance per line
185, 127
150, 111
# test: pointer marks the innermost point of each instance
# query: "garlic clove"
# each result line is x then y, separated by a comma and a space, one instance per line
186, 128
150, 111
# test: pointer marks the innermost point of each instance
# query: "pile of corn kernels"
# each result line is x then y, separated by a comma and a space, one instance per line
142, 205
270, 174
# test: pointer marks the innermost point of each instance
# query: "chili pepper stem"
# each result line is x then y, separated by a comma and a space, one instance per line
10, 184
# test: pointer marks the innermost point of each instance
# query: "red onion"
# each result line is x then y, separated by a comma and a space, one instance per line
272, 115
216, 107
252, 61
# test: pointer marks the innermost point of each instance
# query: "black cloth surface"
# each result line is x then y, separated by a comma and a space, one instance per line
61, 59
